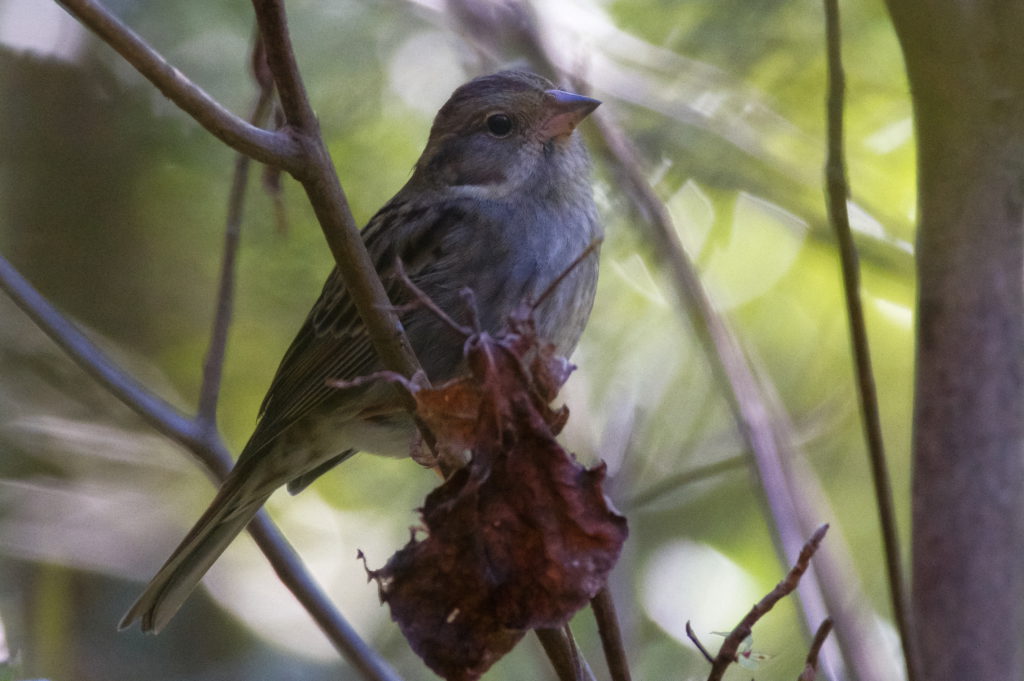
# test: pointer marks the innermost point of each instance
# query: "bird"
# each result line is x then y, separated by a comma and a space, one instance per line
500, 202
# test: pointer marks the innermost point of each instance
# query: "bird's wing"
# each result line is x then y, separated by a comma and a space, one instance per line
333, 343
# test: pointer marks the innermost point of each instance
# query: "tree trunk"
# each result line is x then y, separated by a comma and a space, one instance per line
965, 62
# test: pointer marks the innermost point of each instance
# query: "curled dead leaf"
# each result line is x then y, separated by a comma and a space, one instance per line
519, 538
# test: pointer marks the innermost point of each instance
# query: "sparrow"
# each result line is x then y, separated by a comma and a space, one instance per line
500, 202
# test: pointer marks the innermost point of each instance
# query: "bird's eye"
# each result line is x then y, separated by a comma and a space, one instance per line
499, 124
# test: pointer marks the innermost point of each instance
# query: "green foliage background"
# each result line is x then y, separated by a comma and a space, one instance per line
112, 203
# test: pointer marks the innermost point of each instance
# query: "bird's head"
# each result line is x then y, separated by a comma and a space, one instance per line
503, 133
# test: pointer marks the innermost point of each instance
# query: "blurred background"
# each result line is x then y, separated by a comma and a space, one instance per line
112, 203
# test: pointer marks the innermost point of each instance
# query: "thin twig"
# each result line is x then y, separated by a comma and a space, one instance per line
213, 364
837, 192
207, 446
611, 635
300, 150
163, 417
328, 200
730, 364
696, 641
293, 573
727, 654
811, 664
674, 482
280, 55
565, 657
421, 299
574, 652
276, 148
745, 395
590, 250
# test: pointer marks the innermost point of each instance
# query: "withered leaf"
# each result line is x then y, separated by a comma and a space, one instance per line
521, 537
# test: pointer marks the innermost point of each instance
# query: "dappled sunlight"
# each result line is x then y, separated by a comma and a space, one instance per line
763, 242
635, 273
898, 313
688, 581
113, 202
694, 214
423, 70
327, 539
88, 527
41, 29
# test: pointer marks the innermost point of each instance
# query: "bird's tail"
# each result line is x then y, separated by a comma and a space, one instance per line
228, 514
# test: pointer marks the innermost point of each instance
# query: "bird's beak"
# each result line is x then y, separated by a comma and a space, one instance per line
565, 111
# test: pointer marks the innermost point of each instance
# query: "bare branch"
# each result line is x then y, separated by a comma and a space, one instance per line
293, 573
198, 435
837, 192
300, 151
751, 407
421, 299
565, 657
590, 250
275, 148
208, 447
678, 480
811, 665
156, 412
213, 365
696, 641
727, 654
325, 194
611, 635
745, 394
273, 27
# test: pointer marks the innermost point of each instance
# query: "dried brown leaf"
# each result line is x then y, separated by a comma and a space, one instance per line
521, 537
